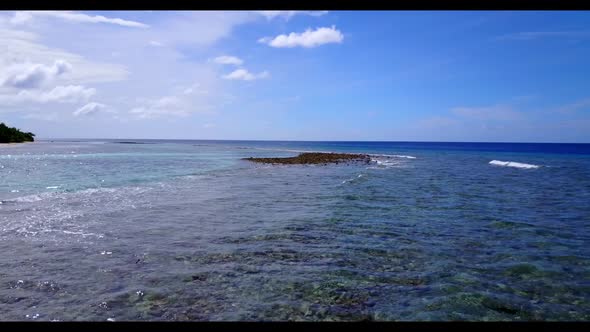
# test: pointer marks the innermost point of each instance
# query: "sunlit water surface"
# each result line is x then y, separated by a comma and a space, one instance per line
186, 230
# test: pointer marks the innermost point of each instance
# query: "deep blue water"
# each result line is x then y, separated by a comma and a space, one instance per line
186, 230
548, 148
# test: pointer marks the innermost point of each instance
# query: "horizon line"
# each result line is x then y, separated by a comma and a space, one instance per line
287, 140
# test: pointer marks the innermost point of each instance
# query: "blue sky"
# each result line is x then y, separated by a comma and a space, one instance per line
511, 76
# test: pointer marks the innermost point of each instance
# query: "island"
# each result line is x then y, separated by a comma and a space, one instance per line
315, 158
14, 135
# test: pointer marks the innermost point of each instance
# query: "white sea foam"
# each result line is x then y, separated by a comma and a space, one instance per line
194, 177
97, 190
353, 179
53, 220
31, 198
83, 234
512, 164
384, 163
393, 156
83, 193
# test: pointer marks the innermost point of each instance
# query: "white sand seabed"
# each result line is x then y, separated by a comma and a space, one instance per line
2, 145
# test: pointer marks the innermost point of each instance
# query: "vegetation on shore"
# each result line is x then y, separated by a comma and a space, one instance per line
13, 135
314, 158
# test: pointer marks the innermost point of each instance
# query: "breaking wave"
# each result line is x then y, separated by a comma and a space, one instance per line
513, 164
393, 156
353, 179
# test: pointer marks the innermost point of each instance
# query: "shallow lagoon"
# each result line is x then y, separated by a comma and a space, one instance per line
185, 230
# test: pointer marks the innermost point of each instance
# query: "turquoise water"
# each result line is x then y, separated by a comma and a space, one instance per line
185, 230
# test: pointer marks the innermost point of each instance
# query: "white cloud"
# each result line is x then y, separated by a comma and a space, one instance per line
8, 34
116, 58
155, 43
201, 28
228, 60
89, 109
244, 75
59, 94
26, 16
29, 75
183, 101
287, 14
21, 18
18, 47
309, 38
68, 94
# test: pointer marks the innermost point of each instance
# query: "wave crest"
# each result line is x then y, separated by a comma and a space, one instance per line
513, 164
393, 156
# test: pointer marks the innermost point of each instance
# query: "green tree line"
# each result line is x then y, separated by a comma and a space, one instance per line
13, 135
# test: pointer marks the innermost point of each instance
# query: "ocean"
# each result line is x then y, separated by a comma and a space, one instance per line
185, 230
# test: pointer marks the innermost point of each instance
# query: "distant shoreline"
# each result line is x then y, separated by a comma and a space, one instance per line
14, 143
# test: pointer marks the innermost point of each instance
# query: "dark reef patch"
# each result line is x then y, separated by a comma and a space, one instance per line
315, 158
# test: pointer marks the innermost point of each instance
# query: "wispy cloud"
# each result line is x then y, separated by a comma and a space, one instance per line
228, 60
183, 102
244, 75
531, 35
436, 122
60, 94
23, 17
169, 105
194, 89
576, 106
90, 109
155, 43
309, 38
287, 14
473, 120
51, 117
496, 112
